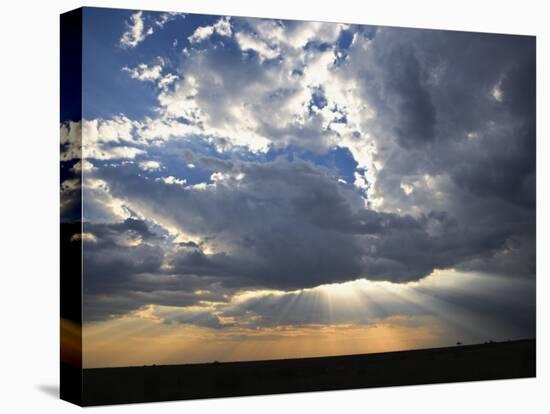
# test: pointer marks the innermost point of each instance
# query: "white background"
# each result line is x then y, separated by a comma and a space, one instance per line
29, 205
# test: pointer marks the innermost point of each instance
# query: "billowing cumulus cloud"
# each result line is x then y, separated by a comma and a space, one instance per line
277, 158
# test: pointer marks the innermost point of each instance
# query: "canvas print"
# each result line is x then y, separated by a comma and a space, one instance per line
258, 206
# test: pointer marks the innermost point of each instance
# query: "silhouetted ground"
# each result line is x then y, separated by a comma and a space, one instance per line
513, 359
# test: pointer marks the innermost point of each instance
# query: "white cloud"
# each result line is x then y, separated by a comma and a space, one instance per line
85, 237
407, 188
252, 108
222, 27
70, 185
152, 73
273, 32
167, 17
83, 166
171, 180
257, 106
71, 141
143, 72
114, 130
181, 102
497, 92
135, 32
219, 176
161, 129
360, 181
167, 80
98, 139
101, 205
149, 165
304, 32
201, 33
70, 132
270, 38
249, 42
108, 153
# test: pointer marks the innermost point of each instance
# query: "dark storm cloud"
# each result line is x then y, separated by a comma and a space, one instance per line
204, 318
275, 238
112, 251
415, 111
472, 101
107, 234
110, 268
292, 225
509, 173
113, 303
121, 277
438, 86
502, 162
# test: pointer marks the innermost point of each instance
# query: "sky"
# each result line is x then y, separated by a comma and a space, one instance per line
259, 189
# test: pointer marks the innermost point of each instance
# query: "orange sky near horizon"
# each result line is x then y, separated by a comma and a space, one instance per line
353, 315
132, 341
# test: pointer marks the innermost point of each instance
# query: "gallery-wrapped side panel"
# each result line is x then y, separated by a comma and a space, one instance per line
71, 206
